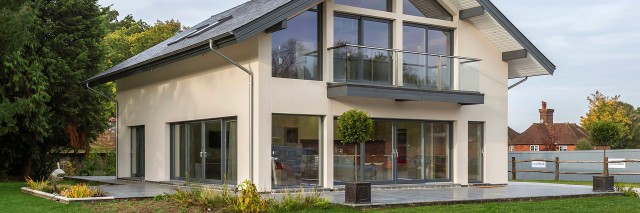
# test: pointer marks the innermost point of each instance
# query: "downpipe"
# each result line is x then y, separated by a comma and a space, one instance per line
117, 119
250, 73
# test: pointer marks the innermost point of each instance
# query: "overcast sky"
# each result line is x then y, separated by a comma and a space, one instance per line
595, 45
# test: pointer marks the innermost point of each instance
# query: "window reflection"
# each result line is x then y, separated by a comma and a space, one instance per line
295, 49
419, 70
383, 5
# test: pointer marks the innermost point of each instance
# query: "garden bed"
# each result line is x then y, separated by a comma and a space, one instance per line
62, 199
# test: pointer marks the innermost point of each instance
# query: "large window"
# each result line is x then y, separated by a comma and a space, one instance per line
295, 150
427, 71
295, 49
371, 64
205, 151
383, 5
426, 8
399, 152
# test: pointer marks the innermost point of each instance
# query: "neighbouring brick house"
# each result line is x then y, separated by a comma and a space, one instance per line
545, 135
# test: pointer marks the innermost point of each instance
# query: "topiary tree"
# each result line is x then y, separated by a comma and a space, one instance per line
583, 144
604, 133
355, 127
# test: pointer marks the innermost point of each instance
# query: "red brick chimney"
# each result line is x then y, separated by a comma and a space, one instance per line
546, 115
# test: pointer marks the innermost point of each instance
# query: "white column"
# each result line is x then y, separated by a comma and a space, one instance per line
262, 116
327, 128
461, 152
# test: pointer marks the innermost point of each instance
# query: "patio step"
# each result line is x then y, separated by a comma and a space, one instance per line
407, 186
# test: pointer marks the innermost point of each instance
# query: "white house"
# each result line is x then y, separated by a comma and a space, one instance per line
252, 93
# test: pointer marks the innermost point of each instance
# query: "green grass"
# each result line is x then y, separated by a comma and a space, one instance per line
594, 204
570, 182
12, 200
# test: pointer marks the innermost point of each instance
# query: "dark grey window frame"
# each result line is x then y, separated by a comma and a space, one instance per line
223, 148
395, 144
482, 141
319, 8
141, 151
426, 40
320, 149
389, 6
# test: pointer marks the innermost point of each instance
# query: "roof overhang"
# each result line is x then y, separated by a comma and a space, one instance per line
237, 35
506, 37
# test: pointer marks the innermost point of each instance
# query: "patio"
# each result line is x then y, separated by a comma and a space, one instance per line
385, 196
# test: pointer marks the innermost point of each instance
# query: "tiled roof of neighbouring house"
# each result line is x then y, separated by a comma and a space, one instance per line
512, 134
539, 133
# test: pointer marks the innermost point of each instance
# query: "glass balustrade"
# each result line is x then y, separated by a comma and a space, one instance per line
379, 66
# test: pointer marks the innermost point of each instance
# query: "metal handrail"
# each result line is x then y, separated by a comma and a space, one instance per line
404, 51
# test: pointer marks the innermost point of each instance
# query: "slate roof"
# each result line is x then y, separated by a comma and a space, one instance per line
244, 21
538, 134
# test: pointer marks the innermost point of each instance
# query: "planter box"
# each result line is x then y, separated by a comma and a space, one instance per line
603, 184
62, 199
357, 193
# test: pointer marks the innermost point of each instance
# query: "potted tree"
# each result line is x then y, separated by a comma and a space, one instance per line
355, 127
604, 133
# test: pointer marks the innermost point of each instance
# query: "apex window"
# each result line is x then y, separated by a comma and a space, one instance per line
295, 49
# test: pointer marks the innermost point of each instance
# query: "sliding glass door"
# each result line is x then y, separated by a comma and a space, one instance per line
400, 151
204, 151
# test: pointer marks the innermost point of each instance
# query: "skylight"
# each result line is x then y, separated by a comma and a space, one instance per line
201, 29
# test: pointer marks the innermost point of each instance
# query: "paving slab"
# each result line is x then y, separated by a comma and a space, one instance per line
514, 191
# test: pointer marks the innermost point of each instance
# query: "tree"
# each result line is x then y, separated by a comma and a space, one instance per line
584, 144
73, 53
604, 133
128, 37
355, 127
602, 107
24, 113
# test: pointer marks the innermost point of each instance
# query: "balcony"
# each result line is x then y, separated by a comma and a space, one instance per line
377, 73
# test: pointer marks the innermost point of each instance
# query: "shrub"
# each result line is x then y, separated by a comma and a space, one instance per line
300, 201
42, 185
245, 198
627, 191
81, 191
583, 144
604, 133
94, 164
354, 126
249, 199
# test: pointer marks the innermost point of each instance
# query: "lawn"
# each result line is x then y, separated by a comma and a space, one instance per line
12, 200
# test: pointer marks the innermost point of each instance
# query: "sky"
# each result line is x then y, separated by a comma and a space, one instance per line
594, 44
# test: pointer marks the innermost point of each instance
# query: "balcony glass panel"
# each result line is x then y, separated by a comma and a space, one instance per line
376, 66
363, 65
469, 75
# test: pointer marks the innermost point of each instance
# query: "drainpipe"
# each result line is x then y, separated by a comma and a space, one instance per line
250, 104
518, 83
117, 109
